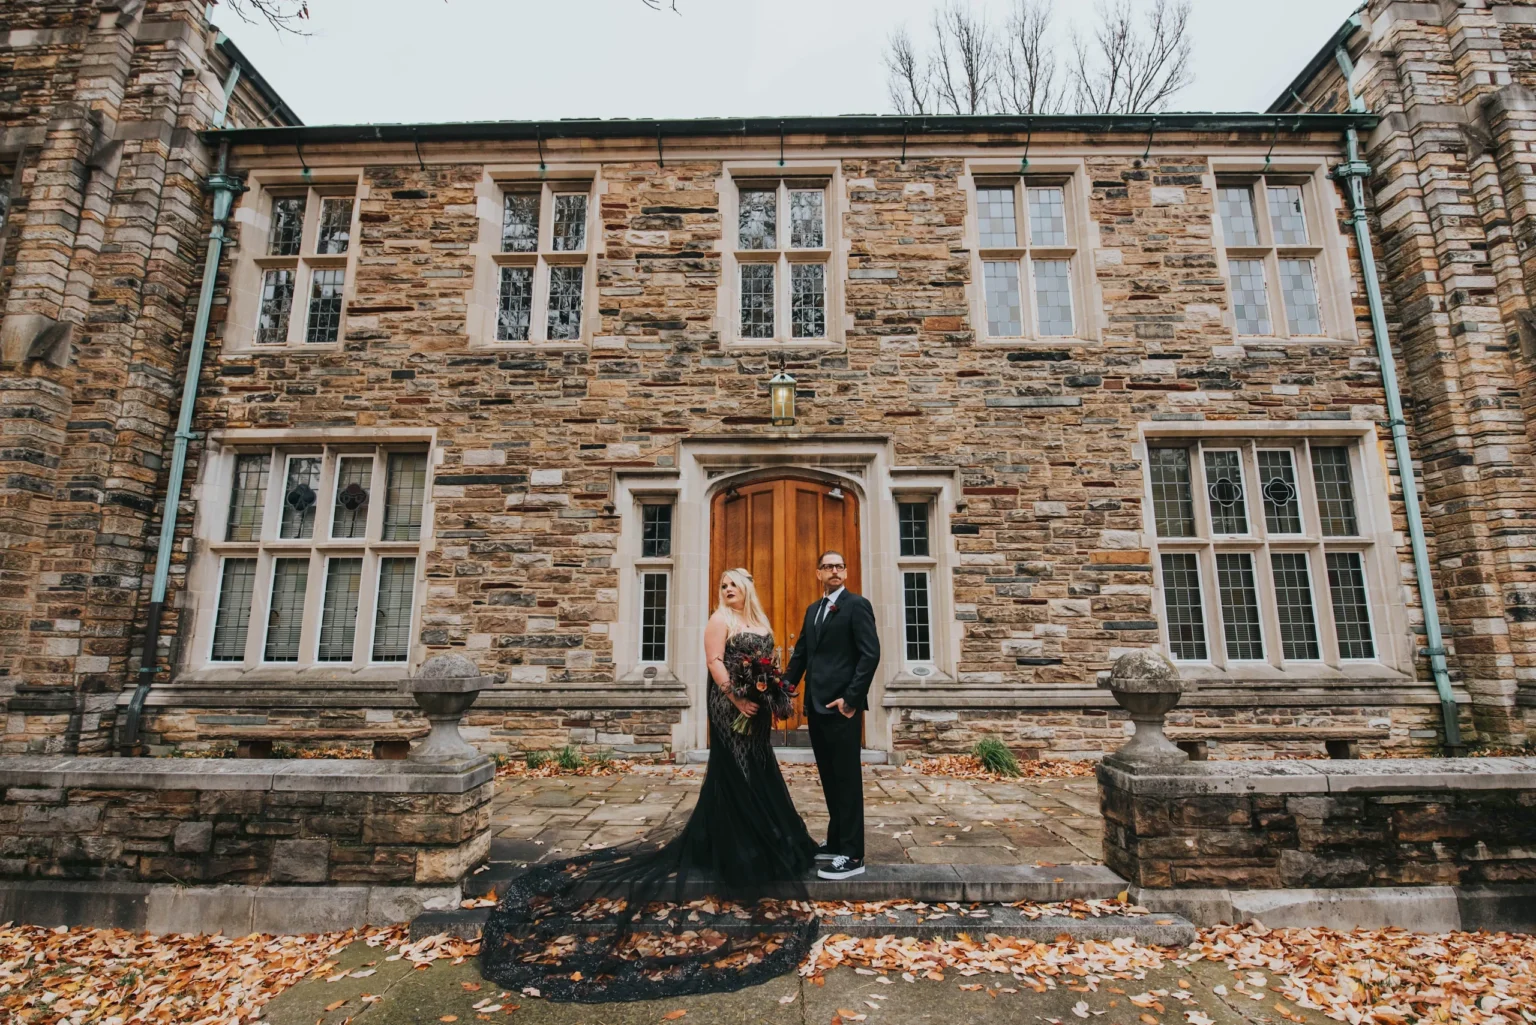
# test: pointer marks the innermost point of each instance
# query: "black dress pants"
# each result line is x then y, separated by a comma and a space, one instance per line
836, 740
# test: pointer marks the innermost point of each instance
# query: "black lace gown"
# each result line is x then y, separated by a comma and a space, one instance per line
572, 929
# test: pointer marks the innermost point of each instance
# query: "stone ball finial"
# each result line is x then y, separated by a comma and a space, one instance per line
1145, 672
448, 666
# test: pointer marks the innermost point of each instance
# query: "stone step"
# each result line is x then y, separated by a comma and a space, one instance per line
793, 755
932, 883
1165, 930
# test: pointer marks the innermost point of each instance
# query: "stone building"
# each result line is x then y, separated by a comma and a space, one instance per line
1063, 387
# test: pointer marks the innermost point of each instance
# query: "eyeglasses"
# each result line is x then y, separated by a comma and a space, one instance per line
832, 565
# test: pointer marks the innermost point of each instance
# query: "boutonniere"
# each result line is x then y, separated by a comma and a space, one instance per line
831, 607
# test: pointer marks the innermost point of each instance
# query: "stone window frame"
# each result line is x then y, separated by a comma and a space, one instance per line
633, 565
932, 487
212, 495
649, 565
252, 259
929, 566
734, 176
1082, 242
1375, 542
489, 259
1327, 246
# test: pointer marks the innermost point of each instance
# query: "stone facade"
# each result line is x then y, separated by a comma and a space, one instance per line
1322, 825
1031, 452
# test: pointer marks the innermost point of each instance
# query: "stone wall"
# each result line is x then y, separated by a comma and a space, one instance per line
1293, 824
251, 822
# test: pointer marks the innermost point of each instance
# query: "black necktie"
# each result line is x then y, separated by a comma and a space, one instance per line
821, 614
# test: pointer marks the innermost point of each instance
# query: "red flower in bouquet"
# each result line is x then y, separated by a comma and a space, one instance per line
759, 679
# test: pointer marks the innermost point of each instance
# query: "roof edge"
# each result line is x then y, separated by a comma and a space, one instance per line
1323, 57
248, 70
845, 124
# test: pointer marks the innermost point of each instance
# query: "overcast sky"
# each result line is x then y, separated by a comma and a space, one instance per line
474, 60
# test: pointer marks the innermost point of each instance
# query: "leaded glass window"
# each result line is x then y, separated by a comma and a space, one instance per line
758, 219
542, 262
998, 223
807, 218
248, 497
325, 292
1053, 296
1351, 612
1298, 290
656, 530
913, 521
1047, 216
808, 298
1293, 602
757, 300
1277, 485
311, 588
276, 304
335, 225
1239, 606
1172, 498
570, 235
287, 234
1224, 487
1271, 258
1250, 300
285, 612
1024, 256
1185, 612
520, 221
514, 311
1005, 317
1286, 217
565, 303
1335, 491
653, 617
305, 270
392, 615
914, 587
1235, 205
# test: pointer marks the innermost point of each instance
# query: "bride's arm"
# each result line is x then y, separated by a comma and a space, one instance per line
715, 634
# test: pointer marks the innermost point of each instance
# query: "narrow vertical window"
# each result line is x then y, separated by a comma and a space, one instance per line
276, 303
1286, 219
656, 531
392, 613
757, 300
1173, 505
1277, 485
1239, 606
1351, 613
808, 300
1298, 290
570, 234
325, 292
514, 312
405, 492
248, 497
1293, 601
998, 222
338, 615
807, 219
1250, 302
1235, 205
354, 476
232, 621
913, 520
1053, 296
520, 222
287, 226
1224, 486
653, 617
300, 497
1181, 599
285, 615
1335, 491
1005, 316
335, 233
1047, 216
757, 219
565, 303
914, 588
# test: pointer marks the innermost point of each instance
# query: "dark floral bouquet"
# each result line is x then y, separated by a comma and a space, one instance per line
759, 679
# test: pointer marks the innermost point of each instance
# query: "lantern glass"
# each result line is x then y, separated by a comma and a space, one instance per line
781, 400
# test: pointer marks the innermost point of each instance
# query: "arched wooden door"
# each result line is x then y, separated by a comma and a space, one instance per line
776, 529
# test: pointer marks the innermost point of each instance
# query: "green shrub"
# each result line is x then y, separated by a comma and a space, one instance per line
995, 757
603, 756
569, 758
536, 758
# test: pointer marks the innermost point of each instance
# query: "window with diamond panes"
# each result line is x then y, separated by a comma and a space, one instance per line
1272, 257
543, 262
1289, 586
314, 550
1025, 251
783, 260
305, 269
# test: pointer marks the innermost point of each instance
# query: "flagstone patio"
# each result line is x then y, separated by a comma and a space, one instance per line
910, 818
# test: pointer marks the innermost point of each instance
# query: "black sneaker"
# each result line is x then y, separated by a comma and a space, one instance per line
825, 853
842, 867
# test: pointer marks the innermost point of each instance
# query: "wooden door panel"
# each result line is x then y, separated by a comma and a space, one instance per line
775, 529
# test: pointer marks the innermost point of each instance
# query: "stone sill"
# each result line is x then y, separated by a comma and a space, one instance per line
909, 692
352, 775
1385, 775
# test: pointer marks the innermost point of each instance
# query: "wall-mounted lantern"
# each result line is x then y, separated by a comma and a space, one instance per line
781, 399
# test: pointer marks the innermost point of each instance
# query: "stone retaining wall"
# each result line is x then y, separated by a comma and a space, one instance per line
1291, 824
252, 822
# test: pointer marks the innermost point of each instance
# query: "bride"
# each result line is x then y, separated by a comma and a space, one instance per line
569, 928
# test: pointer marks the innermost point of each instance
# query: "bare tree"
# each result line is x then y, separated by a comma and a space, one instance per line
1126, 70
283, 15
972, 67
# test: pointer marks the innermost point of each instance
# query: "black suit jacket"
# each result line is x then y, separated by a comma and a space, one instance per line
838, 658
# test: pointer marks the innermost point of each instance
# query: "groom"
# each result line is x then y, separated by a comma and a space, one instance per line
837, 653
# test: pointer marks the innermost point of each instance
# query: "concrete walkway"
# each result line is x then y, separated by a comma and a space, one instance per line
909, 818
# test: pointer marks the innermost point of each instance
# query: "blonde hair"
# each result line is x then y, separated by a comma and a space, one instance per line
752, 616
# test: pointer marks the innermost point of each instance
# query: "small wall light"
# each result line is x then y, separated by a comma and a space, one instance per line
781, 399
